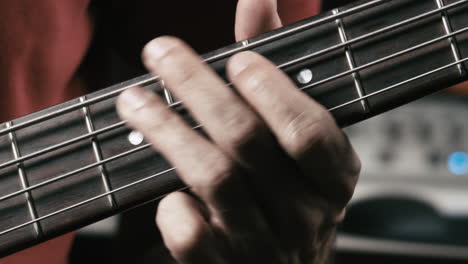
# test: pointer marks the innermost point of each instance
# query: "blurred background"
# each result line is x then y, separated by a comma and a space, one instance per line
411, 205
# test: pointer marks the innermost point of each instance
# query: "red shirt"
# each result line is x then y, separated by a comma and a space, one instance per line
42, 43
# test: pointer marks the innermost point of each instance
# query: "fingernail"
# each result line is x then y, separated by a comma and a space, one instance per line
240, 62
135, 98
157, 48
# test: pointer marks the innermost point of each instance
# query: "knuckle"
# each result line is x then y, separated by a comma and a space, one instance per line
160, 114
245, 131
184, 71
256, 78
306, 131
179, 59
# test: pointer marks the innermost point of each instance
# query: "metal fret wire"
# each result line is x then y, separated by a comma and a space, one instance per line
351, 63
24, 182
452, 41
97, 152
148, 78
285, 65
457, 62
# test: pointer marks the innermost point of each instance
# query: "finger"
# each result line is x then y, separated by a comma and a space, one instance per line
221, 112
201, 165
303, 127
185, 232
256, 17
234, 126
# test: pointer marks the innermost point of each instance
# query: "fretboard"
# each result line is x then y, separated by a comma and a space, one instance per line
76, 163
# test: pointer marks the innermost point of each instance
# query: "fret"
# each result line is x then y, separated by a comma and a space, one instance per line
24, 182
14, 210
351, 63
452, 41
98, 154
457, 18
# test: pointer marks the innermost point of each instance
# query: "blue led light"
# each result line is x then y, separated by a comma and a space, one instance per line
458, 163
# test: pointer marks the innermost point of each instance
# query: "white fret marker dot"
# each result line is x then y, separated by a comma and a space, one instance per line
135, 138
305, 76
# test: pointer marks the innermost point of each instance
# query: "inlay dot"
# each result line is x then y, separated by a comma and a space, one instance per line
135, 138
305, 76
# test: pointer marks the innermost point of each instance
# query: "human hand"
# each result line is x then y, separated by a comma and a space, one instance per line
274, 178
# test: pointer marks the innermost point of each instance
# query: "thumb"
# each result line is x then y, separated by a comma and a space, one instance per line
254, 17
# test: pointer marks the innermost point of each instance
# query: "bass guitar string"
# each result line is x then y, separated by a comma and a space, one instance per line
389, 88
82, 169
148, 78
63, 144
88, 201
282, 66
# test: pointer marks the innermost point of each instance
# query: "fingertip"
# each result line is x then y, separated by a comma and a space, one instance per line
158, 48
131, 100
182, 225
